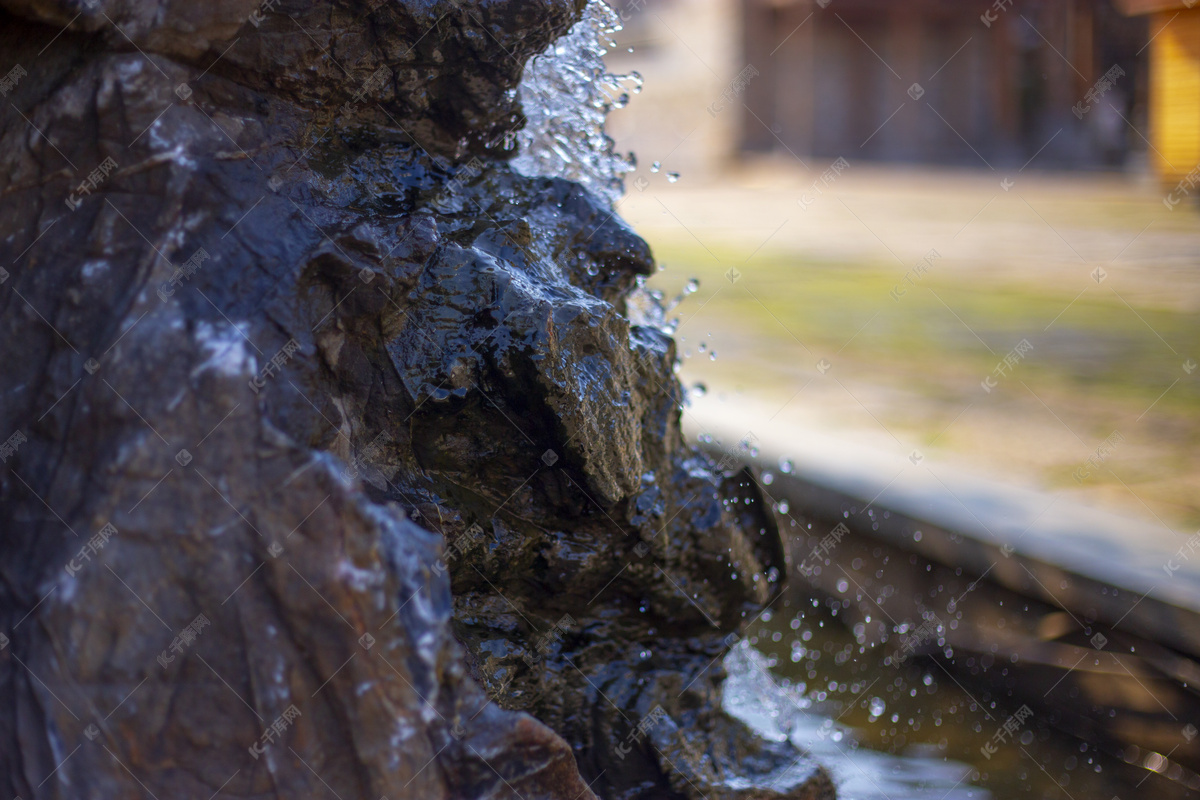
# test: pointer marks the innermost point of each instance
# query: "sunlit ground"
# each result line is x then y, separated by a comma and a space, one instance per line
1094, 271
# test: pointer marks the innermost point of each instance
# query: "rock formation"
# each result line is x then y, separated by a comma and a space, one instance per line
333, 463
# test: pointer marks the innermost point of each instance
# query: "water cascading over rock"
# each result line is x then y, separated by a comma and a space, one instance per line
335, 461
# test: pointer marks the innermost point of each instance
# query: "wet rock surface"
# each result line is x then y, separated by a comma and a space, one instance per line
334, 462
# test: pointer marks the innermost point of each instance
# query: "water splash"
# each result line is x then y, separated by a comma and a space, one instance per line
567, 93
780, 710
690, 288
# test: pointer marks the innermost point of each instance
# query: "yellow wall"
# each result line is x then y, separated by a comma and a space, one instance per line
1175, 92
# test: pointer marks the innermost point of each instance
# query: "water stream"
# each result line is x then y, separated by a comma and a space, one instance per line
567, 93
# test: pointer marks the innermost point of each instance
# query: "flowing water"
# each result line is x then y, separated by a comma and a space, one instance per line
567, 93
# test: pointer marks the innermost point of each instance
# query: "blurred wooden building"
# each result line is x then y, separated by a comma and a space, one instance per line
1174, 83
970, 82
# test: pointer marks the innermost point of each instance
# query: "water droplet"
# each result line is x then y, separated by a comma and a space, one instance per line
699, 390
783, 507
712, 356
672, 177
877, 707
786, 466
768, 478
656, 166
693, 285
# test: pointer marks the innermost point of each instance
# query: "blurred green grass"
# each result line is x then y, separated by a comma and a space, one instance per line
1084, 342
1101, 361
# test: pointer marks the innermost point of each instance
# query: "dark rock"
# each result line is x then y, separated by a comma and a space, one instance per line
288, 318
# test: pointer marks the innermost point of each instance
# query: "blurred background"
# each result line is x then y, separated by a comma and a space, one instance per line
941, 229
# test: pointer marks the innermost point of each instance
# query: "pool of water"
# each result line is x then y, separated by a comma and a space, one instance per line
912, 731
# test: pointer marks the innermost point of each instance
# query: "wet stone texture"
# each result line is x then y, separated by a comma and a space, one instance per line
333, 464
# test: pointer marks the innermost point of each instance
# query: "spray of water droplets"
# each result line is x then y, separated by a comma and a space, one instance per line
567, 93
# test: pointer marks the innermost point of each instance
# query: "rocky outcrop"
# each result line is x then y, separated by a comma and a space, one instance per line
334, 463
